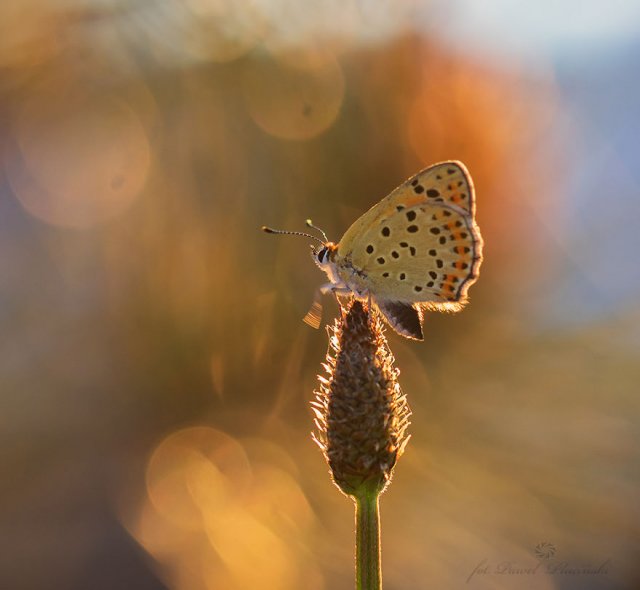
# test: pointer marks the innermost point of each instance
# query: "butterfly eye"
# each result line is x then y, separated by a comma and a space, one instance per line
322, 254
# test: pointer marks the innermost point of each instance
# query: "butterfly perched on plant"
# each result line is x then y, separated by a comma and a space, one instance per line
418, 249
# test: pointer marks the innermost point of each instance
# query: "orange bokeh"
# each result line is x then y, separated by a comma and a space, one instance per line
78, 158
224, 515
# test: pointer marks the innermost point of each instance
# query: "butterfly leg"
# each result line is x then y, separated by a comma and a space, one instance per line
369, 307
336, 290
343, 313
333, 288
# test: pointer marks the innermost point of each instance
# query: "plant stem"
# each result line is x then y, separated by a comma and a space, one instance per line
368, 572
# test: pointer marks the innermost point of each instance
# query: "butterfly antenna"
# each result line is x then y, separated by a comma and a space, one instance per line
310, 224
270, 230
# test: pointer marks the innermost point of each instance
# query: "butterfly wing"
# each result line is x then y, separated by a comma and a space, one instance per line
423, 254
447, 182
421, 243
404, 318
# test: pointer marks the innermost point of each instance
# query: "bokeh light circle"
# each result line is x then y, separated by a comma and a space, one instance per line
192, 467
78, 158
291, 102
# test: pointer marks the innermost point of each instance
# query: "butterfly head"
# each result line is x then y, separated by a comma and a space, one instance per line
324, 256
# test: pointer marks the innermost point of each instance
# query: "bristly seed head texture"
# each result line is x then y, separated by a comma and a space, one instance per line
361, 414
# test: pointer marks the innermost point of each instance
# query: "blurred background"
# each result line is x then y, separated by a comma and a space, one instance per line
155, 370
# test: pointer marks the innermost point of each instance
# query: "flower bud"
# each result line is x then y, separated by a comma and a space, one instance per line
361, 414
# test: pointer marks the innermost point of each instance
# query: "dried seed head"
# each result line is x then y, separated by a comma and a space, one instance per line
361, 414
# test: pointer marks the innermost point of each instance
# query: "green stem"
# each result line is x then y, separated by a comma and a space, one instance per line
368, 572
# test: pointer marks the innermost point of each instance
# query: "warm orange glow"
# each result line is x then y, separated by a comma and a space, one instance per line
150, 327
183, 461
293, 103
28, 34
241, 519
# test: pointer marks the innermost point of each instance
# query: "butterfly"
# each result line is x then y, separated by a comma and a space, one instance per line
417, 250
